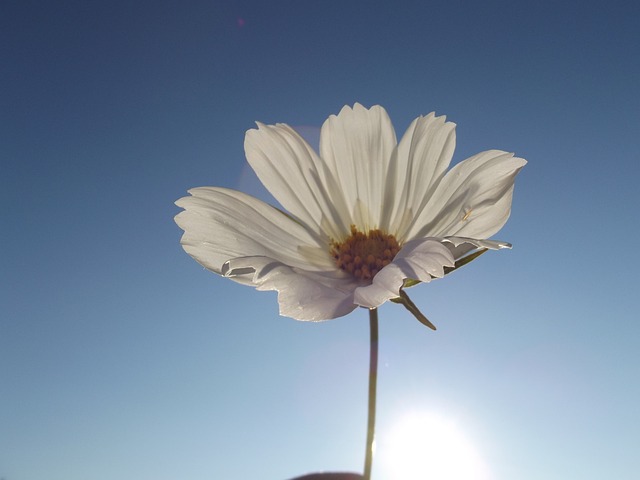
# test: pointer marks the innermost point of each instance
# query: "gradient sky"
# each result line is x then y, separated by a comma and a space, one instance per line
122, 358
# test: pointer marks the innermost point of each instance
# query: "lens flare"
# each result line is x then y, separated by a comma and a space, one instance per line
423, 446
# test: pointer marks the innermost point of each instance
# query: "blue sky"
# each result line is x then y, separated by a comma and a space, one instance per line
120, 357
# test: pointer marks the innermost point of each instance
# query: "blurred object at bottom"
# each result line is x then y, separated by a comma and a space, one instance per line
330, 476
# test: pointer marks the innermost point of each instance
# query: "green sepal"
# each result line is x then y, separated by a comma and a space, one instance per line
404, 299
464, 260
410, 282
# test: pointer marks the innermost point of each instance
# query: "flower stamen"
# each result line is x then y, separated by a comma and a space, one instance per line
363, 255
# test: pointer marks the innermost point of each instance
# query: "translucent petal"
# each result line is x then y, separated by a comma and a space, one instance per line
357, 146
462, 246
423, 156
294, 174
472, 200
220, 224
302, 295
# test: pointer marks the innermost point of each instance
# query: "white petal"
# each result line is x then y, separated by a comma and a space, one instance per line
490, 244
423, 156
461, 246
220, 224
294, 174
421, 259
302, 295
472, 200
357, 146
386, 284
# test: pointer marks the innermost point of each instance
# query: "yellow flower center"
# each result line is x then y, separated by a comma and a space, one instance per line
365, 254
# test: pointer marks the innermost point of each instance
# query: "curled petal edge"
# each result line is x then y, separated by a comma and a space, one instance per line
462, 247
302, 295
420, 259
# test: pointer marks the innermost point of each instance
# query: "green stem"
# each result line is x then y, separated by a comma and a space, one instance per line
373, 381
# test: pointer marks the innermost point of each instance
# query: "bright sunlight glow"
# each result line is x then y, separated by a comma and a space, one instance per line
421, 446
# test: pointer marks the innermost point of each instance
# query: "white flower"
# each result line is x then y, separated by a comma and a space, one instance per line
363, 216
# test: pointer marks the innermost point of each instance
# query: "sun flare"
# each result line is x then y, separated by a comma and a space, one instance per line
421, 446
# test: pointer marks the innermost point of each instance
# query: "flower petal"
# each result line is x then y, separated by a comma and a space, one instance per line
423, 156
220, 224
357, 146
302, 295
421, 259
294, 174
472, 200
462, 246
